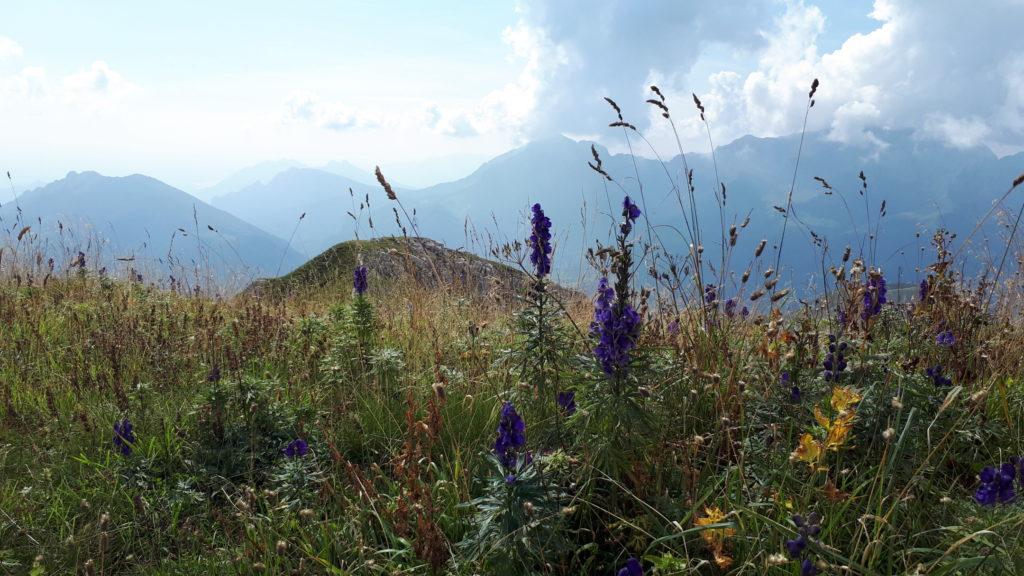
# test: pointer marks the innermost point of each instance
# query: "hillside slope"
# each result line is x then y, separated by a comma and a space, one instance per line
392, 259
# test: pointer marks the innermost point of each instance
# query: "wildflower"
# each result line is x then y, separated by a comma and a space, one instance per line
922, 290
888, 433
997, 485
835, 360
567, 402
632, 567
836, 430
843, 398
124, 436
511, 436
795, 395
730, 307
806, 529
630, 212
874, 295
715, 538
296, 448
673, 328
616, 329
946, 339
710, 295
935, 373
807, 450
359, 280
540, 242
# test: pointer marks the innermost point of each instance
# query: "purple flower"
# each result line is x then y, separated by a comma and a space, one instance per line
997, 485
359, 280
567, 402
835, 360
922, 290
616, 329
946, 339
730, 307
673, 328
807, 568
296, 448
511, 435
632, 567
630, 212
710, 295
935, 373
540, 242
124, 436
875, 293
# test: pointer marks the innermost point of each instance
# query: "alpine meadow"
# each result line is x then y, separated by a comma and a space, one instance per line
674, 288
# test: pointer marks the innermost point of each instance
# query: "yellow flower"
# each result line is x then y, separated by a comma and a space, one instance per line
838, 431
809, 450
715, 537
843, 398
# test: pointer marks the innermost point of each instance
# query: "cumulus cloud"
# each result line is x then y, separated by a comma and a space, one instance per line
615, 48
9, 48
947, 69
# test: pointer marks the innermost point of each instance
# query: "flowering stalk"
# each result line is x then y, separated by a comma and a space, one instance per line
616, 323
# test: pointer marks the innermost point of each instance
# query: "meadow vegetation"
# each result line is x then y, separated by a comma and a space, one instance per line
684, 419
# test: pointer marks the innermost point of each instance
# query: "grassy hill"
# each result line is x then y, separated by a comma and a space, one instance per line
394, 259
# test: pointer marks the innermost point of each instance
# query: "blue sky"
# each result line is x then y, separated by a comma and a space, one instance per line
190, 91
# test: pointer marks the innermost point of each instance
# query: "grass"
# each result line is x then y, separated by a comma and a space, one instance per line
695, 452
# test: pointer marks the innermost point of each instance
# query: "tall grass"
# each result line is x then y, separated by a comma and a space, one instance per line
743, 431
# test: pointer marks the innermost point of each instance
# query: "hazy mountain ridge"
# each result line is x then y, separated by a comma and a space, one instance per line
925, 186
140, 218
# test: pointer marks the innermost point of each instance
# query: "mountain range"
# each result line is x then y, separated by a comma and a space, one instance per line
924, 185
139, 220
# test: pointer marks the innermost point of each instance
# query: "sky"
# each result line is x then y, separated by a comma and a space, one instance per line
189, 92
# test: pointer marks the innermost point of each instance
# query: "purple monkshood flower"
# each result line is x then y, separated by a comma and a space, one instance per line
807, 568
124, 436
632, 567
835, 360
710, 295
511, 435
874, 296
616, 330
730, 307
296, 448
673, 328
567, 402
359, 280
540, 242
997, 485
630, 212
946, 339
922, 290
938, 378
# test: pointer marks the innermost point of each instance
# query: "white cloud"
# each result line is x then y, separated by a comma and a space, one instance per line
29, 84
97, 84
957, 132
948, 69
9, 48
305, 108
